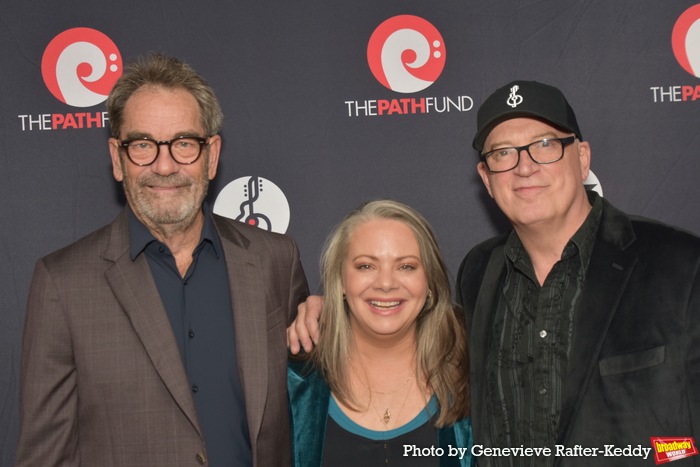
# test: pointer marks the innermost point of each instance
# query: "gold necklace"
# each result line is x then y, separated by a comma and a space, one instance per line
386, 393
386, 418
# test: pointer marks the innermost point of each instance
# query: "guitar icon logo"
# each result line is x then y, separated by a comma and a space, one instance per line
248, 214
254, 201
514, 99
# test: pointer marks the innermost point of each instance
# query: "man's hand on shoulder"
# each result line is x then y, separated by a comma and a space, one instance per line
303, 332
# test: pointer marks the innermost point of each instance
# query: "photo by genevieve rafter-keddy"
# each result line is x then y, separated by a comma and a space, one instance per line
664, 450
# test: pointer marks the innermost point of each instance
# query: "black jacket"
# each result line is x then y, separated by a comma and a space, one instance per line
634, 366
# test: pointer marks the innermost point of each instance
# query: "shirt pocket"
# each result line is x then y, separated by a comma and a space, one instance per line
632, 361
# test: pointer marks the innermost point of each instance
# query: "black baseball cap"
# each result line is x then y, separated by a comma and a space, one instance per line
524, 99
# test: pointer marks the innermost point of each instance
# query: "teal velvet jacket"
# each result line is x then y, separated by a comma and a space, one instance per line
309, 398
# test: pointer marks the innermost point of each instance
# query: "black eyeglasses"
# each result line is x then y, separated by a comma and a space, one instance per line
184, 150
544, 151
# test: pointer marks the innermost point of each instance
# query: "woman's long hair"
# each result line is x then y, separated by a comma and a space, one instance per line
441, 353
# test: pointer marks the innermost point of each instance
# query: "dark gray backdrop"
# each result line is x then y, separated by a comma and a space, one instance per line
283, 71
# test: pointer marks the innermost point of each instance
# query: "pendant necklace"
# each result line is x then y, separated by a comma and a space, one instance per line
386, 418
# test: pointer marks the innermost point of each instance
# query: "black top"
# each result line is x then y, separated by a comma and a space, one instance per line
350, 445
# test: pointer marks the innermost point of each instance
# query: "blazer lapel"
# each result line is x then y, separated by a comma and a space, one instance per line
245, 274
135, 290
480, 339
611, 264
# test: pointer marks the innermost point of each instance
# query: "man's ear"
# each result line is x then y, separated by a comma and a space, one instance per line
114, 152
214, 152
584, 155
484, 174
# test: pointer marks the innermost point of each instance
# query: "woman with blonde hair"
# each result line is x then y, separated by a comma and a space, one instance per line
387, 383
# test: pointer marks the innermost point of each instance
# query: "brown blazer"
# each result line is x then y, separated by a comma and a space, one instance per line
102, 381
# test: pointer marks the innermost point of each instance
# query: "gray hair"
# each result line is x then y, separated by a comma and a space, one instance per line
159, 70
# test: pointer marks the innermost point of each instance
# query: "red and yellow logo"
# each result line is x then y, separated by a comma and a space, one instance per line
671, 449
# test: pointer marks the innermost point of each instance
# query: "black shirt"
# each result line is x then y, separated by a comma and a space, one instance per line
531, 340
200, 312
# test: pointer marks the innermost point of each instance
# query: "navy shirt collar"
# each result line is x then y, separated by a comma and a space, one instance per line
140, 237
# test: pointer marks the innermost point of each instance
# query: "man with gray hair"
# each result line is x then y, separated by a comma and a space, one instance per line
159, 339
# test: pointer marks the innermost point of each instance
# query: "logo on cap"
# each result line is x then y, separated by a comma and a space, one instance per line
514, 99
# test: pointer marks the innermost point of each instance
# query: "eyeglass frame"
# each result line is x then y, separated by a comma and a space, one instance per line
565, 141
124, 144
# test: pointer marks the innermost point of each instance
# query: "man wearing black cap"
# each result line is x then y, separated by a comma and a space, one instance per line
584, 322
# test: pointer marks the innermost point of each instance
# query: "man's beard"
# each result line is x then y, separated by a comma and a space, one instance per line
176, 213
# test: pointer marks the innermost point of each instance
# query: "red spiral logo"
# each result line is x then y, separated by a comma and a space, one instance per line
406, 53
80, 67
685, 40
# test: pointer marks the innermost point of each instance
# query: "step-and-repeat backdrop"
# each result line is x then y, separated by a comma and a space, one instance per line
331, 103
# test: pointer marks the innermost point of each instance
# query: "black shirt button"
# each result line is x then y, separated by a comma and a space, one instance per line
195, 388
191, 334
